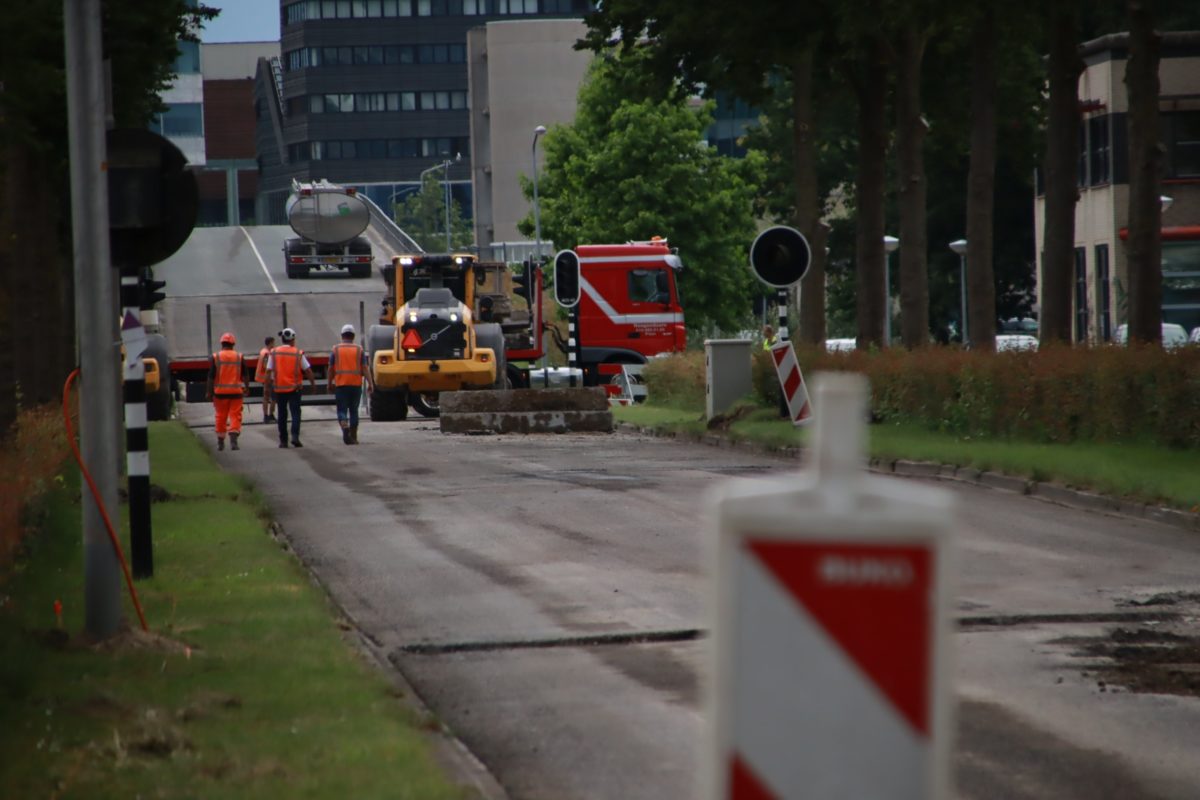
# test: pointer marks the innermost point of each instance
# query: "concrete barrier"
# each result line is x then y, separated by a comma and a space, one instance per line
526, 411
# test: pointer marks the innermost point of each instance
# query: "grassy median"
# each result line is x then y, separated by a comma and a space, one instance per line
1142, 472
246, 686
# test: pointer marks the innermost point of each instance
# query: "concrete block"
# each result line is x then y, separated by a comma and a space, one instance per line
1007, 483
524, 400
920, 469
527, 422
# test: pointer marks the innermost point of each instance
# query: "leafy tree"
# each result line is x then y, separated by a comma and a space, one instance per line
422, 215
140, 42
629, 169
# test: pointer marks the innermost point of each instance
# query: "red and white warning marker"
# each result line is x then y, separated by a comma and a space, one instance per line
792, 382
831, 664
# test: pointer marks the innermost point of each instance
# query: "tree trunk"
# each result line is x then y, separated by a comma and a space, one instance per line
869, 196
1144, 247
1061, 168
981, 180
808, 209
8, 265
911, 185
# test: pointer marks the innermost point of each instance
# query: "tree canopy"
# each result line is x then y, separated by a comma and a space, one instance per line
632, 167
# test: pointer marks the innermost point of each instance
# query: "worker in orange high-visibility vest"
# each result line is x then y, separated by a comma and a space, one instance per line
347, 369
260, 376
286, 368
226, 388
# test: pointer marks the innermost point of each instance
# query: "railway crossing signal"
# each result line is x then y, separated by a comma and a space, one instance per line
566, 278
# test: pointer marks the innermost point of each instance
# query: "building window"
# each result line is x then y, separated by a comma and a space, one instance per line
180, 119
188, 60
1181, 131
1103, 294
1081, 304
1181, 283
1099, 151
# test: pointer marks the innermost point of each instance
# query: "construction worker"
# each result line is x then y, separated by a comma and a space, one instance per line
768, 337
260, 376
285, 367
226, 388
347, 368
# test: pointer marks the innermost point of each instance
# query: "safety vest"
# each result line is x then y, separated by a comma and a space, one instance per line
347, 364
228, 365
287, 373
260, 372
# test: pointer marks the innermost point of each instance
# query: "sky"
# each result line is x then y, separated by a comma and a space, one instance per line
243, 21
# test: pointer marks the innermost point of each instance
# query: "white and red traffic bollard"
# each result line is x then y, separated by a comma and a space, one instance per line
831, 662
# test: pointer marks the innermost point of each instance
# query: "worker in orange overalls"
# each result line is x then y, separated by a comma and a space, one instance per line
286, 368
347, 368
260, 376
226, 388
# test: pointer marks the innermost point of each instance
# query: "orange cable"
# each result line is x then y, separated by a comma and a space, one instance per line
112, 534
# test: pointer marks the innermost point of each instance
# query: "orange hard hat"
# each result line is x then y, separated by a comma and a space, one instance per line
227, 338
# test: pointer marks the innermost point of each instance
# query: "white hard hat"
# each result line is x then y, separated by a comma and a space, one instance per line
347, 328
287, 334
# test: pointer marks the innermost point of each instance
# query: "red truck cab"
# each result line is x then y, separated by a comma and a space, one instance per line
629, 307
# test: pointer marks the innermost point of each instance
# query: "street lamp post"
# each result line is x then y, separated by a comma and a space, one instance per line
444, 165
890, 244
537, 220
960, 246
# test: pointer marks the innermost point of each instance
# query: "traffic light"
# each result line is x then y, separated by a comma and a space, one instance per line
148, 290
523, 282
566, 278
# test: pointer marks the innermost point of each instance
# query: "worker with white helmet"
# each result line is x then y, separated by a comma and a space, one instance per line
347, 369
285, 368
226, 388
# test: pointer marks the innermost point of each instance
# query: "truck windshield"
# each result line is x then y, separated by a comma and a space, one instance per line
649, 286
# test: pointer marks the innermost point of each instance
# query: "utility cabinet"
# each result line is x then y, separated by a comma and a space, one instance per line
726, 373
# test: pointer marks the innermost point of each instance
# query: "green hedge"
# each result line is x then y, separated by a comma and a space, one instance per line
1057, 394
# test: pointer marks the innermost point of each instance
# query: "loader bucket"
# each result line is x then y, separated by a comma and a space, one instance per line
526, 411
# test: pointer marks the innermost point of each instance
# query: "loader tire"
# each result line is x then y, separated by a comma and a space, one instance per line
425, 404
489, 334
389, 405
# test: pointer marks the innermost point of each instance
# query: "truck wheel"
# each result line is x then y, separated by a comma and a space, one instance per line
296, 271
516, 377
360, 271
426, 404
158, 405
389, 405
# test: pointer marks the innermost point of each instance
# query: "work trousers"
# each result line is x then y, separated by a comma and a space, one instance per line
348, 398
289, 405
229, 413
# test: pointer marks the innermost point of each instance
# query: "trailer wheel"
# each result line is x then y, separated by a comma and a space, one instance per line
296, 271
158, 405
389, 405
360, 271
425, 403
516, 377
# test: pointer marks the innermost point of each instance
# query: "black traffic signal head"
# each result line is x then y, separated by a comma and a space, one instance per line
523, 283
148, 290
566, 278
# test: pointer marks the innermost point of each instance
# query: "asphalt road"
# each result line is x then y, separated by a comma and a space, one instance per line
239, 274
505, 576
480, 563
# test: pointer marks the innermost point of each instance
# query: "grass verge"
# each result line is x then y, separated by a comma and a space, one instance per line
246, 687
1146, 473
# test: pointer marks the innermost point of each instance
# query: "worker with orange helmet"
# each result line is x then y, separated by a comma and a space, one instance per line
226, 388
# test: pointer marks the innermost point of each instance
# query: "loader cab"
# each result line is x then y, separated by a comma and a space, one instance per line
453, 271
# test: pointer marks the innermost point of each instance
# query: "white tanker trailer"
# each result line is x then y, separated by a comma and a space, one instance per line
328, 220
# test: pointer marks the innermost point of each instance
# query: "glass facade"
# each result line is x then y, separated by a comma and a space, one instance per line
1181, 283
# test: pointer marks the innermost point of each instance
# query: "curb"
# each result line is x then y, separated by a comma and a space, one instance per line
463, 768
998, 481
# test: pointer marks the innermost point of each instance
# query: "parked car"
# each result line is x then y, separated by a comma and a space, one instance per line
1173, 335
840, 345
1195, 337
1015, 341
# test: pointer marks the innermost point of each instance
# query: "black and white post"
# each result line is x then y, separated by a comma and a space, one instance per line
137, 439
573, 345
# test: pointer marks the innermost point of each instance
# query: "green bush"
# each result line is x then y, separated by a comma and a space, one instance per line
677, 380
1057, 394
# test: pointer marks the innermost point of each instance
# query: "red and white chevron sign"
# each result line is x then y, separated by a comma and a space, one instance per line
792, 382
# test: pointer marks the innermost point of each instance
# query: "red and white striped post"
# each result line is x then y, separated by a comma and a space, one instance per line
830, 639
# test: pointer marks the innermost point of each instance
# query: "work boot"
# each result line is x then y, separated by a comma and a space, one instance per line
220, 442
283, 443
354, 435
296, 443
347, 436
233, 444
